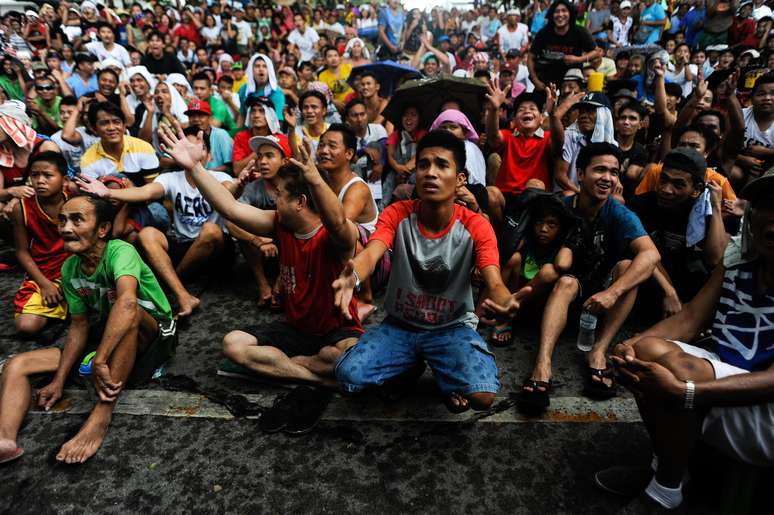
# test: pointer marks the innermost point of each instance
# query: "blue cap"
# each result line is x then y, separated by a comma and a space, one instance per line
443, 38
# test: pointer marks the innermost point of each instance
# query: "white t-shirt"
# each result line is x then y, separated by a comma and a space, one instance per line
190, 210
475, 164
71, 153
761, 12
210, 34
305, 42
516, 39
374, 133
679, 78
119, 53
753, 135
243, 32
335, 27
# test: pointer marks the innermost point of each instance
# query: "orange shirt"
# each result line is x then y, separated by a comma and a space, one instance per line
650, 181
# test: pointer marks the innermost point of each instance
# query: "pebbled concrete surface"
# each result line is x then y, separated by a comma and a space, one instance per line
152, 464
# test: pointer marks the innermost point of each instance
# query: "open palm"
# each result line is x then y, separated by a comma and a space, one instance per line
187, 153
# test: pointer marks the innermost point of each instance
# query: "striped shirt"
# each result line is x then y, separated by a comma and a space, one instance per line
138, 157
743, 328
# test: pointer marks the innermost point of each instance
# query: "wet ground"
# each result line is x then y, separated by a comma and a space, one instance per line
364, 457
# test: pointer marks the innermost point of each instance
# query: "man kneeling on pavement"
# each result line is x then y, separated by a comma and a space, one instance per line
724, 394
120, 320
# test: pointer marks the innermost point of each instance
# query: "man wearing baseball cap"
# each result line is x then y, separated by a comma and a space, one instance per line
691, 245
721, 394
199, 115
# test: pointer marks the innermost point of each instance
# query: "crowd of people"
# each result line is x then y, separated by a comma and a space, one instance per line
612, 164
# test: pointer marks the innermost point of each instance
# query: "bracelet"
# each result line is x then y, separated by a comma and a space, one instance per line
357, 281
690, 393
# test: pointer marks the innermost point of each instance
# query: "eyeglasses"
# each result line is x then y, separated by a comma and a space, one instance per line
45, 88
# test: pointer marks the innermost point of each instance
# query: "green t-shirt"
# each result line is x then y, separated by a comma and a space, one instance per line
222, 113
93, 295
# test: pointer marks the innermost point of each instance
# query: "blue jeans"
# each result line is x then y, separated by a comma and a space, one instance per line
457, 355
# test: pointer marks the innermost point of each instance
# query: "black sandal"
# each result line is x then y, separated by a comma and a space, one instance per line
598, 389
535, 402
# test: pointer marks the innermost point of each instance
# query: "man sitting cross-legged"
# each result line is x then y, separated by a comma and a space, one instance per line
39, 247
724, 394
604, 280
316, 240
117, 310
197, 238
429, 299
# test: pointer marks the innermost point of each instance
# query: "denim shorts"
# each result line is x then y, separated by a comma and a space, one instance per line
457, 355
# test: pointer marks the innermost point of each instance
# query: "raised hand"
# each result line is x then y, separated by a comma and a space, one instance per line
495, 95
306, 164
247, 174
187, 153
716, 195
344, 289
21, 191
92, 186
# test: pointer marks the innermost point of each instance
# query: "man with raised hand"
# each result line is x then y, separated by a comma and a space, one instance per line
316, 240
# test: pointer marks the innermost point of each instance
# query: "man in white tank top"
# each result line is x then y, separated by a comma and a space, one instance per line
335, 152
758, 153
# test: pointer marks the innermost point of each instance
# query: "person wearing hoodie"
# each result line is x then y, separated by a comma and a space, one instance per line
262, 82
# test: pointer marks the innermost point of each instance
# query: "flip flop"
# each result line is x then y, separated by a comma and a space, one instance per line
16, 455
456, 408
598, 389
535, 402
499, 332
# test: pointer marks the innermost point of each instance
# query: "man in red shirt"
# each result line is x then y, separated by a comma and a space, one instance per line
188, 29
528, 151
316, 241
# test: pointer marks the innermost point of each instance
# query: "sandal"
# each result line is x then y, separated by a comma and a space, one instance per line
598, 389
497, 338
535, 402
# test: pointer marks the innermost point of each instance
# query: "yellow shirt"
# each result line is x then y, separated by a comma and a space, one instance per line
338, 83
239, 83
650, 181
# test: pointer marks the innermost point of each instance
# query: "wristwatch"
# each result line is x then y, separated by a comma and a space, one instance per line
690, 393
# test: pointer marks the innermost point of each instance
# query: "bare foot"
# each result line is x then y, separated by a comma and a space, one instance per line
187, 305
8, 450
265, 295
364, 311
456, 403
85, 444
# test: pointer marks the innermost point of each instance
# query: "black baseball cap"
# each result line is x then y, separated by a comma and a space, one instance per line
595, 100
688, 160
538, 98
760, 189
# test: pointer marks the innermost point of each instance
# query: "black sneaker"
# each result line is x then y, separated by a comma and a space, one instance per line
276, 418
308, 405
624, 481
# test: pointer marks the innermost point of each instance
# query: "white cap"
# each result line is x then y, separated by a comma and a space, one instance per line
31, 14
754, 53
625, 4
513, 12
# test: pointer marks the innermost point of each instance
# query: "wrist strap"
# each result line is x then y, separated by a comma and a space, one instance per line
690, 393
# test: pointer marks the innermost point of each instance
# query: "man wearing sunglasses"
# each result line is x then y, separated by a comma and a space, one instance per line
44, 109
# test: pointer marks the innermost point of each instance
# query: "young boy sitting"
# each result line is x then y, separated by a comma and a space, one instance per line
429, 300
540, 256
39, 247
196, 240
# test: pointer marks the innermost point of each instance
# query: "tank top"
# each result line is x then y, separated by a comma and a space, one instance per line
369, 226
46, 245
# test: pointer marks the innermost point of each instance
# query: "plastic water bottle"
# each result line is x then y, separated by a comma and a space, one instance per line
85, 370
587, 330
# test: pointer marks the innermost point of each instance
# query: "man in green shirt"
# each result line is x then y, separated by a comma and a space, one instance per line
221, 115
120, 318
45, 108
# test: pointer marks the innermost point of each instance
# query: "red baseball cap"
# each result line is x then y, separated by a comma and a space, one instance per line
277, 140
199, 106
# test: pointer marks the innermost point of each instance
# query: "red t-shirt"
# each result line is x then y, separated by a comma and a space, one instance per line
394, 138
429, 285
523, 159
242, 145
190, 33
308, 267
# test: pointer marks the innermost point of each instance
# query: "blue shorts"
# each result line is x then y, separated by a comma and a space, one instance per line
457, 355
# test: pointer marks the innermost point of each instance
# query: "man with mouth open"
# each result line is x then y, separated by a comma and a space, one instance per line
723, 395
429, 302
120, 318
603, 281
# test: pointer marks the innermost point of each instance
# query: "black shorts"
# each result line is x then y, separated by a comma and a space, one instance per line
292, 342
224, 260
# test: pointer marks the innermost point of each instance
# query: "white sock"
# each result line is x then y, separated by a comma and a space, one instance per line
669, 498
